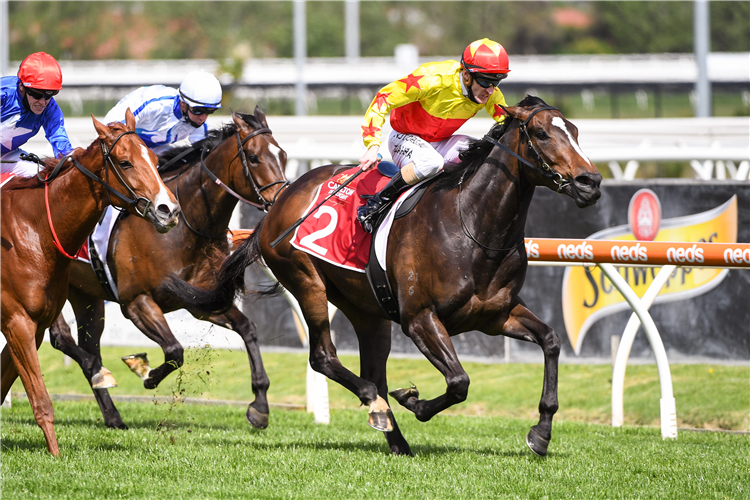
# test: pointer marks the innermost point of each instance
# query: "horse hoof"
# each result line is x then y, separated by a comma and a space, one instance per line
403, 395
256, 419
537, 443
117, 425
381, 417
103, 379
138, 364
381, 420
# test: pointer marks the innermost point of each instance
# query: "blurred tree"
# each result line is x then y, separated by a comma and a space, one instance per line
213, 29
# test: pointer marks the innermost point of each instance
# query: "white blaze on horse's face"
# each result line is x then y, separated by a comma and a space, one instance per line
560, 123
275, 151
162, 198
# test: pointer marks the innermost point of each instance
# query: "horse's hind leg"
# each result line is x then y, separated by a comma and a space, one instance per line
89, 314
148, 317
257, 411
524, 325
374, 335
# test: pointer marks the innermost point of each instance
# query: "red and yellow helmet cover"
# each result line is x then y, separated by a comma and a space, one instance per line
485, 56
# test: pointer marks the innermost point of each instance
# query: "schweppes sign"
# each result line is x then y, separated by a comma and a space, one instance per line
588, 295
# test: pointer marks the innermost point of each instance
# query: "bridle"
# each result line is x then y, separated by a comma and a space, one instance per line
132, 199
264, 205
545, 170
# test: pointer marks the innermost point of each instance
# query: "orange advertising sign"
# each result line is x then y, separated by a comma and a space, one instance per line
588, 295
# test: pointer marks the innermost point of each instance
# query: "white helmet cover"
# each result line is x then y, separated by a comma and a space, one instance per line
201, 89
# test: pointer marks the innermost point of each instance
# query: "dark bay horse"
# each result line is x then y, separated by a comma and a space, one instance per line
455, 263
45, 223
246, 158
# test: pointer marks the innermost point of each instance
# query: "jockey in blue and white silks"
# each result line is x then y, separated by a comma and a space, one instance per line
164, 115
26, 106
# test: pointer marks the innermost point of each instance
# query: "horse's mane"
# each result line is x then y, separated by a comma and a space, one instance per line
476, 153
212, 140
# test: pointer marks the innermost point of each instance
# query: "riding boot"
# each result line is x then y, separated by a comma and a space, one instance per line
380, 201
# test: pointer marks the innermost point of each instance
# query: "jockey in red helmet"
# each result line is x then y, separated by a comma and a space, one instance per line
426, 108
28, 105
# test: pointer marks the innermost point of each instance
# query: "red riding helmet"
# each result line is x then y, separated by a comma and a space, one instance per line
485, 56
40, 71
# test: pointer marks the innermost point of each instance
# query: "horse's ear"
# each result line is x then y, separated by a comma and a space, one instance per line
260, 116
101, 129
130, 120
237, 119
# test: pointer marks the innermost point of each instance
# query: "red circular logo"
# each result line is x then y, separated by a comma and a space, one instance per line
644, 215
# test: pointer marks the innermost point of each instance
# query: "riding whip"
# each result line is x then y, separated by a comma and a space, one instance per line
302, 219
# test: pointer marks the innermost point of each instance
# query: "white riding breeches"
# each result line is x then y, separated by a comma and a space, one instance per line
13, 164
429, 157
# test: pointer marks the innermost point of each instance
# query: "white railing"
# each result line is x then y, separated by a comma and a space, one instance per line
717, 148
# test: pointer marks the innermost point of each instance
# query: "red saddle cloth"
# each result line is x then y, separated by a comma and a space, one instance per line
5, 178
333, 233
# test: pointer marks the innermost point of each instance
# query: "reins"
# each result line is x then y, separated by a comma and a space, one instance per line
107, 159
546, 171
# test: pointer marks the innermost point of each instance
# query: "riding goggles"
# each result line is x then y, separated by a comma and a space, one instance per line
200, 110
486, 81
41, 94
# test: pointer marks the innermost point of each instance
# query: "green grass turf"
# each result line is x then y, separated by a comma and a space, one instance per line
177, 451
707, 396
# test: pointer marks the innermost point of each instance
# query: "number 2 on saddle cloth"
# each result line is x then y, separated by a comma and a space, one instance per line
333, 233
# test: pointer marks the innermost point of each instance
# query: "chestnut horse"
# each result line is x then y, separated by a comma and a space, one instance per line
244, 157
45, 222
455, 263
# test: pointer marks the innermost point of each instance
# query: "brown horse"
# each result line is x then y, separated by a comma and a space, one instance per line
244, 156
455, 263
43, 222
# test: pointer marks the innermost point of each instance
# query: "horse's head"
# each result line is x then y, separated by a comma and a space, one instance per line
550, 142
134, 174
264, 161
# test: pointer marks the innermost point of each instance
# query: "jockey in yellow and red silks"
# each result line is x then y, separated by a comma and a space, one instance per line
426, 108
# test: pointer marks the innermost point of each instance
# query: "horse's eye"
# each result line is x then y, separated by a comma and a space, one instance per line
253, 158
125, 164
542, 135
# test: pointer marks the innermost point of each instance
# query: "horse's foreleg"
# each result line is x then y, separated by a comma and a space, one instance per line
257, 411
374, 335
432, 339
20, 332
148, 317
62, 340
523, 324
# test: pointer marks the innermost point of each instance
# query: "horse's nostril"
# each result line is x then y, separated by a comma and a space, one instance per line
588, 180
163, 210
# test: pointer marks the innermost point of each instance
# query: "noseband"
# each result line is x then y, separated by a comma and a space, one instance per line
545, 169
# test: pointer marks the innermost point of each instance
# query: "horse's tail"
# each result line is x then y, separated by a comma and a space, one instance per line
230, 279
